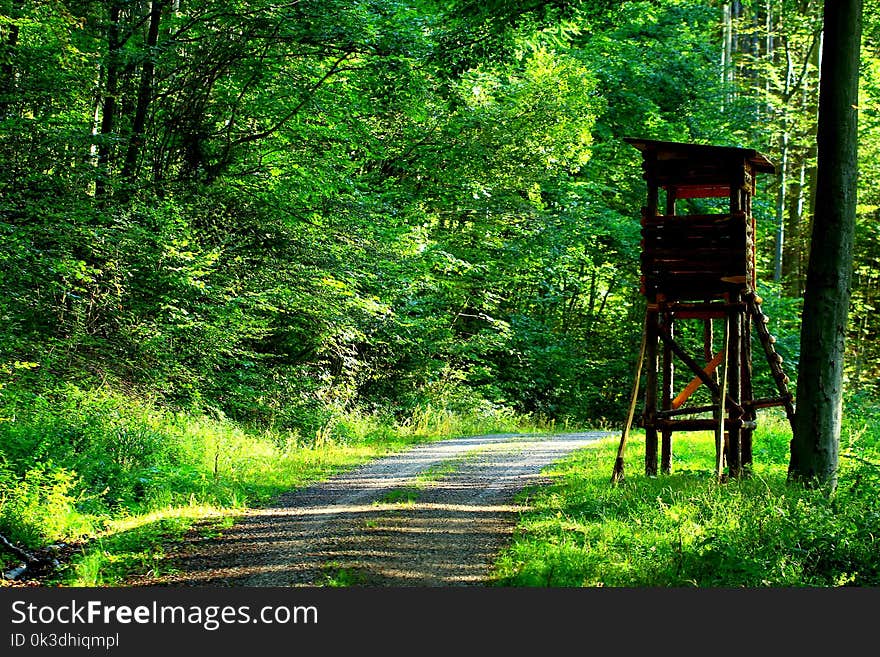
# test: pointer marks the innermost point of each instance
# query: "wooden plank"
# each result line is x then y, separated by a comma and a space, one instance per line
718, 309
767, 402
703, 424
697, 381
703, 191
664, 219
720, 260
699, 314
689, 218
711, 252
686, 410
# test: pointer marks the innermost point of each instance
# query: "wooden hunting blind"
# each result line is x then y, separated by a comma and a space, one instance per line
701, 267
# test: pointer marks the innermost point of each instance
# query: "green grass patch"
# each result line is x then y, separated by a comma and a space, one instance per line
335, 575
410, 493
686, 530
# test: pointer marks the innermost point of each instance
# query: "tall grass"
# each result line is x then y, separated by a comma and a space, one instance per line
684, 529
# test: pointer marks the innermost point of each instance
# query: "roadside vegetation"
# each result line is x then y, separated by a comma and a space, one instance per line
685, 530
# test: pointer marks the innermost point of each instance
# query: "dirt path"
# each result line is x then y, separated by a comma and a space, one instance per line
435, 515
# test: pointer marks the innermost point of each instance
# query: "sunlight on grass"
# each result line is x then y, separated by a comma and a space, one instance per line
684, 529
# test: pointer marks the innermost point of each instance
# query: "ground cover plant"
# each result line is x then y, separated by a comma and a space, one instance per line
686, 530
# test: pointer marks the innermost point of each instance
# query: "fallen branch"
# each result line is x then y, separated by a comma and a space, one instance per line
31, 562
17, 551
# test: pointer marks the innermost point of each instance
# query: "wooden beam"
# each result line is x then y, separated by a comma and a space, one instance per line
686, 410
704, 424
768, 402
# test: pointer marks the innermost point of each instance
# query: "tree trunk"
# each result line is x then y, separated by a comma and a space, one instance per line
108, 109
783, 170
726, 55
144, 96
8, 43
814, 447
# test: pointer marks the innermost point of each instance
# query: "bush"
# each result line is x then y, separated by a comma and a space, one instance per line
41, 506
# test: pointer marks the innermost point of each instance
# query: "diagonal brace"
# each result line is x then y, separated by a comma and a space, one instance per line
699, 371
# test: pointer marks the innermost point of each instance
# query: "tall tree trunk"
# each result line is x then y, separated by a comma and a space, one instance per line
108, 109
8, 43
814, 447
811, 173
144, 96
726, 55
783, 178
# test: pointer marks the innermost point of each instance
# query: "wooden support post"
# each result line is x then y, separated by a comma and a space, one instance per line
668, 367
748, 394
651, 328
708, 349
733, 372
720, 397
670, 201
666, 397
650, 414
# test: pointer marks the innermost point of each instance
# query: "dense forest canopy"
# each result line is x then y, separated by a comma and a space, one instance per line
276, 211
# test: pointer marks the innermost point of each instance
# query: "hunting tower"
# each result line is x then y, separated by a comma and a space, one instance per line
701, 268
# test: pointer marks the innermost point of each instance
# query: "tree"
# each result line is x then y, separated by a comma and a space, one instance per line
814, 447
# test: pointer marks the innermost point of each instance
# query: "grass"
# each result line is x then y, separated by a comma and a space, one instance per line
685, 530
119, 552
335, 575
120, 479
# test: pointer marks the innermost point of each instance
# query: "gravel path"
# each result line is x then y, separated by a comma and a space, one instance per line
435, 515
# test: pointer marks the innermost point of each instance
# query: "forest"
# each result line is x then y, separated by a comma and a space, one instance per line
235, 233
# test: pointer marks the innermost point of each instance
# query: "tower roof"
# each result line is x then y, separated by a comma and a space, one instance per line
672, 150
699, 170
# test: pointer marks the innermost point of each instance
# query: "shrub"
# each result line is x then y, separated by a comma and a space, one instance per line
41, 506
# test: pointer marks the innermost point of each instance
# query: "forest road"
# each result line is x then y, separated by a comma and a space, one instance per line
434, 515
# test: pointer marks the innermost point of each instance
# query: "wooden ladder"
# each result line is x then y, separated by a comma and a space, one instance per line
785, 398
